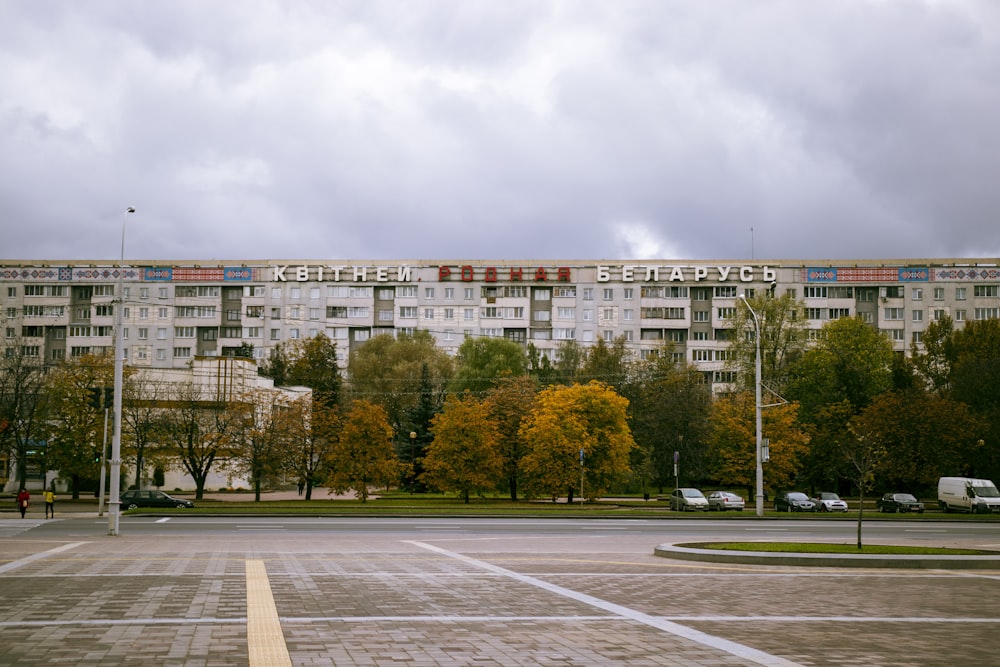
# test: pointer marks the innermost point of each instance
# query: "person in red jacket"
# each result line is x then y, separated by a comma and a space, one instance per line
22, 501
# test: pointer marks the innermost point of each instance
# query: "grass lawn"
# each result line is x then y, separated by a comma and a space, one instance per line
820, 548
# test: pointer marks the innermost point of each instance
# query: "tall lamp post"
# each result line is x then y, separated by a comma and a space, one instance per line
759, 494
114, 509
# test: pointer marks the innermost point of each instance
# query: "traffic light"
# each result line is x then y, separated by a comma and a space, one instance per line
95, 397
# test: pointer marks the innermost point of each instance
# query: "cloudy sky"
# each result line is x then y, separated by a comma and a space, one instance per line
521, 129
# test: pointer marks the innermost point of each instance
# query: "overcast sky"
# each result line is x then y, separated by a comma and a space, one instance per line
466, 129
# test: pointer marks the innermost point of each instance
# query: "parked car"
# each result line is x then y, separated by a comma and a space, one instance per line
688, 499
725, 500
147, 498
899, 502
794, 501
827, 501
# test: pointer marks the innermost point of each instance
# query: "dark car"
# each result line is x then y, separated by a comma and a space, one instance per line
146, 498
794, 501
899, 502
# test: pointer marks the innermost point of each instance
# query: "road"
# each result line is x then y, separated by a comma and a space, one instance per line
189, 590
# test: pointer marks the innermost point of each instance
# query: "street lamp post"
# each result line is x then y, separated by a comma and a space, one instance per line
413, 462
114, 509
759, 493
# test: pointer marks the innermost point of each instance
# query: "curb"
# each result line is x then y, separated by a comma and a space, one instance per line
930, 562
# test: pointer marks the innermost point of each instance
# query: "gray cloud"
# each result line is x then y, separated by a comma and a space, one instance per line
500, 130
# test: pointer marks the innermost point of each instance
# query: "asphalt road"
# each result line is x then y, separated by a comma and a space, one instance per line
426, 592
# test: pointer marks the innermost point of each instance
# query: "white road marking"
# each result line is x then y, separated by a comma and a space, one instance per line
33, 557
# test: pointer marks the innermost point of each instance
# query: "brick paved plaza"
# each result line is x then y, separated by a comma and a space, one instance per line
447, 597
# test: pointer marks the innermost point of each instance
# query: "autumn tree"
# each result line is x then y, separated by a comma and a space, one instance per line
311, 431
464, 456
198, 427
75, 424
508, 402
256, 446
23, 403
481, 361
782, 340
141, 420
566, 421
734, 443
363, 457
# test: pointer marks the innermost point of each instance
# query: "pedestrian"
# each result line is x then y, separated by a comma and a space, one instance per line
22, 501
50, 503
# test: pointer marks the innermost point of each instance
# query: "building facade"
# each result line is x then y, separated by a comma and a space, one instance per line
175, 312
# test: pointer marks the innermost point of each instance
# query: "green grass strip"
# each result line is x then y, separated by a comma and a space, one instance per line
819, 548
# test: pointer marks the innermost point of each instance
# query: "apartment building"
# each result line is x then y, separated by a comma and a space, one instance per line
175, 312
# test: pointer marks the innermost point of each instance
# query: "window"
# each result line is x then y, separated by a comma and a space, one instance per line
896, 334
814, 292
987, 313
230, 332
143, 292
313, 293
161, 333
608, 335
182, 352
565, 291
984, 290
338, 291
701, 355
295, 293
543, 295
361, 335
892, 314
385, 315
541, 315
142, 353
209, 334
564, 334
629, 336
408, 312
516, 291
232, 316
293, 334
700, 316
275, 334
183, 332
917, 294
918, 315
628, 314
468, 314
11, 292
360, 293
357, 311
699, 335
252, 332
161, 354
428, 313
407, 291
143, 333
918, 337
449, 334
449, 313
725, 291
428, 293
103, 311
275, 293
565, 313
939, 294
609, 294
960, 315
837, 313
449, 293
628, 293
163, 312
726, 313
588, 293
469, 293
162, 292
960, 293
314, 313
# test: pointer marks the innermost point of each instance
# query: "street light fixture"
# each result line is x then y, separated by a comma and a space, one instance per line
759, 494
114, 509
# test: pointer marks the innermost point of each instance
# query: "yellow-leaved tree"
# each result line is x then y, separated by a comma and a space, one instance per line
465, 455
573, 432
363, 456
733, 447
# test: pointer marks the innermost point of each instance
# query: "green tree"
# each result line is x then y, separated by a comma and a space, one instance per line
363, 457
608, 364
566, 421
481, 361
975, 373
387, 371
569, 360
312, 362
782, 340
464, 456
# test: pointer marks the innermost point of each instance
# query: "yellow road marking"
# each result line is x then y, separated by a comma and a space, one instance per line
265, 641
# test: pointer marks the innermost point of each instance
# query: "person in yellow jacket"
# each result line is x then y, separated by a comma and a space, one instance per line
50, 503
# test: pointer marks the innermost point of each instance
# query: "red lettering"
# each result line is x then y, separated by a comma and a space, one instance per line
563, 274
516, 274
443, 272
491, 274
540, 273
467, 273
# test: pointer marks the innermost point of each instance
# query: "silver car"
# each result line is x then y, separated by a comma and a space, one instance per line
688, 499
725, 500
827, 501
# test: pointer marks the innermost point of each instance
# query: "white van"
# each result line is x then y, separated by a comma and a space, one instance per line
965, 494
